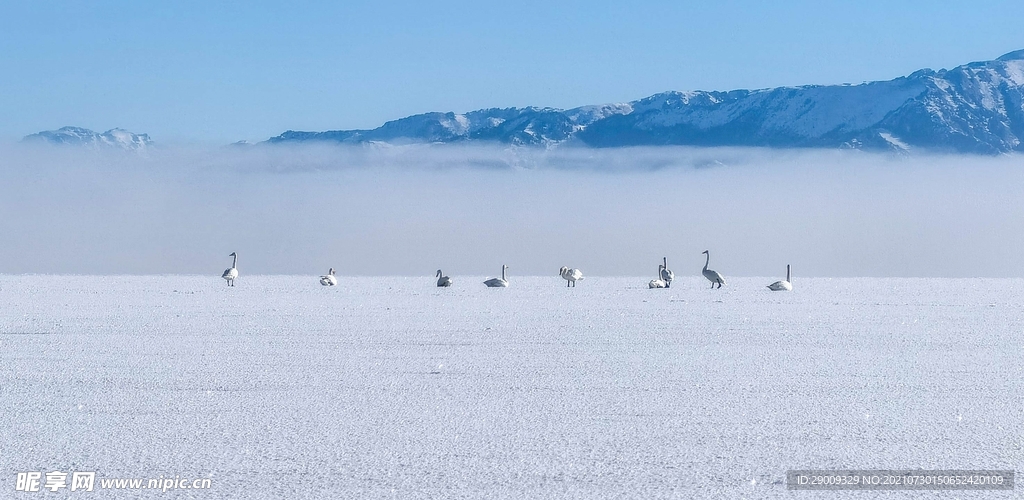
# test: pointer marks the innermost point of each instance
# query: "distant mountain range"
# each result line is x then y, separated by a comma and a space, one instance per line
974, 108
113, 138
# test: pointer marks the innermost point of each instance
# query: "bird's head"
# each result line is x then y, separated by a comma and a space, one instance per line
705, 251
232, 254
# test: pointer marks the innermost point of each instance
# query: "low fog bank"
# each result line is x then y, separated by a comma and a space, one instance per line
409, 210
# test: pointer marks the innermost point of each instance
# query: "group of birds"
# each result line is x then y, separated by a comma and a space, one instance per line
665, 275
570, 275
445, 281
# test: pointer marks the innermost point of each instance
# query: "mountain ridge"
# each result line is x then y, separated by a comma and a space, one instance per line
115, 138
973, 108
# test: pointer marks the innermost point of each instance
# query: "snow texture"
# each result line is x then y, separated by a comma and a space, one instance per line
393, 388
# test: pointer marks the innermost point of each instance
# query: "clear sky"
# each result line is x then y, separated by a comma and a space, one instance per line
223, 71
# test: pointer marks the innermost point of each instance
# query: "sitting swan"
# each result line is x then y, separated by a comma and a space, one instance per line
571, 276
782, 286
498, 282
329, 279
658, 283
442, 280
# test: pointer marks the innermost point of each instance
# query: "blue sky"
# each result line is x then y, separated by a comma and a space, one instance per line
196, 72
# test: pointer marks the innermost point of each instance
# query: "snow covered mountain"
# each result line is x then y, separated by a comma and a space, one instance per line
974, 108
113, 138
511, 125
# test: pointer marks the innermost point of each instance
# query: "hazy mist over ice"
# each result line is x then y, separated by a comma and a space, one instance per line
409, 210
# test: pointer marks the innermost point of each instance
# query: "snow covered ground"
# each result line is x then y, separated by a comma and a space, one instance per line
392, 388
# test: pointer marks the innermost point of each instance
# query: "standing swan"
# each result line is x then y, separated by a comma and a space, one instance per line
780, 286
329, 279
712, 276
571, 276
658, 283
498, 282
666, 275
232, 273
443, 280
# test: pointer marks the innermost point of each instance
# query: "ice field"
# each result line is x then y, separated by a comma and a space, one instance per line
393, 388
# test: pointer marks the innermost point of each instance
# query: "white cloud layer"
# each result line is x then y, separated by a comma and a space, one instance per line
408, 210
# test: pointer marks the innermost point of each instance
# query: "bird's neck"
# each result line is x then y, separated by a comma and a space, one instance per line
706, 262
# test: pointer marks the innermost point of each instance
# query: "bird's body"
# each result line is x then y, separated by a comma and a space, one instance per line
782, 286
666, 274
442, 280
231, 273
712, 276
498, 282
658, 283
329, 279
571, 276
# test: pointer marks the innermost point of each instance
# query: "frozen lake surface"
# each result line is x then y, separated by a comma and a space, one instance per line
392, 388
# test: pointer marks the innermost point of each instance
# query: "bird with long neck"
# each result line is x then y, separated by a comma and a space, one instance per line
782, 286
498, 282
231, 273
712, 276
442, 280
666, 275
329, 279
657, 282
570, 275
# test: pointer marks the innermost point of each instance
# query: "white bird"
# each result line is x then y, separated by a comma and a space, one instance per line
780, 286
666, 275
329, 279
498, 282
657, 283
712, 276
571, 276
443, 280
231, 273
